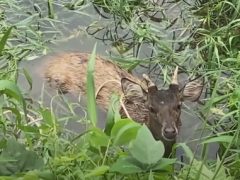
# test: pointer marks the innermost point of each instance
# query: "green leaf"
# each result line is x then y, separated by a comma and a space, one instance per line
164, 164
124, 131
145, 148
221, 174
12, 90
31, 176
186, 149
150, 177
48, 117
3, 41
98, 171
15, 159
16, 112
28, 78
91, 101
197, 169
126, 165
111, 114
222, 138
98, 138
30, 129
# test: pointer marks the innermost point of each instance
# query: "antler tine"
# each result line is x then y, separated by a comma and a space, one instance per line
148, 80
174, 77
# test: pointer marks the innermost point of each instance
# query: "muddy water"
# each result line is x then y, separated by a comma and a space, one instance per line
70, 108
77, 40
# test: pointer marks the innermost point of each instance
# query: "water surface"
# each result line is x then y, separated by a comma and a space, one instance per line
76, 39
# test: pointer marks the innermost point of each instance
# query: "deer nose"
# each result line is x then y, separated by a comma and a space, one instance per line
170, 133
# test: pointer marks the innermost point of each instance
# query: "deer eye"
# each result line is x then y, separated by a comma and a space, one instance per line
179, 106
152, 110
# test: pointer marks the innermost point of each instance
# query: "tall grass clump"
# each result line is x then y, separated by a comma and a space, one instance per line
217, 41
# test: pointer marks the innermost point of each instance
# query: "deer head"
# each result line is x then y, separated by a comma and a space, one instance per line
164, 106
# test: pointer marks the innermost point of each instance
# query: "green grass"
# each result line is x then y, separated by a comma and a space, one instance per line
206, 42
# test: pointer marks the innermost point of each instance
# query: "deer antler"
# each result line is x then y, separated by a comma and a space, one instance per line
174, 77
148, 80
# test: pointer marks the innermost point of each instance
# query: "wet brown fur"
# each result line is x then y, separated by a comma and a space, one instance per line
68, 73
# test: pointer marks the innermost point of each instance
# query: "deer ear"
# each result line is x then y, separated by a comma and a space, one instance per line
193, 90
132, 90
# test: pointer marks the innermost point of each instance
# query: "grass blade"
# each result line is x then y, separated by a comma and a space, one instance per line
91, 101
4, 39
11, 89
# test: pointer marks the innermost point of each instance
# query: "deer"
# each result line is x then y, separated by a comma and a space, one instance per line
142, 101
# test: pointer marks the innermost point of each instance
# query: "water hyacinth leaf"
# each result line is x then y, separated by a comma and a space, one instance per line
91, 102
223, 138
124, 131
145, 148
98, 171
126, 165
15, 159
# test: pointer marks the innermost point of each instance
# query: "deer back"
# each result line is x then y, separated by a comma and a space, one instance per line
68, 73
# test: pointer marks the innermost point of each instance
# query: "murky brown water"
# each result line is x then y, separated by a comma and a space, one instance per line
78, 40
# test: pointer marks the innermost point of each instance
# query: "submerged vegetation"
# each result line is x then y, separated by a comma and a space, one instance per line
201, 37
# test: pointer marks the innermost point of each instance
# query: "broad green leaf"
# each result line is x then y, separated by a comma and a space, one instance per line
38, 174
98, 171
145, 148
15, 159
91, 101
98, 138
46, 175
31, 176
124, 131
126, 165
11, 89
164, 164
30, 129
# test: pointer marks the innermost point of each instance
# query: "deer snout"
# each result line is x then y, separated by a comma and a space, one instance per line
170, 133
